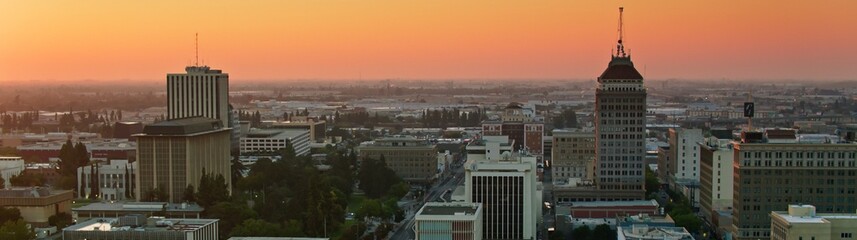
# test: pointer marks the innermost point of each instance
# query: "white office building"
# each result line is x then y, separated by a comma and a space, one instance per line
440, 221
10, 166
684, 155
115, 180
508, 190
273, 140
200, 92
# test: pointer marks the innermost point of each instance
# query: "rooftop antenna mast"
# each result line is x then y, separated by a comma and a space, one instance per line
620, 48
196, 48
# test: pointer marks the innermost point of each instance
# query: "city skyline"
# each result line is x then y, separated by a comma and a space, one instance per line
766, 40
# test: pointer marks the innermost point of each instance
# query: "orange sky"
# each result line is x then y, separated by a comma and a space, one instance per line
438, 39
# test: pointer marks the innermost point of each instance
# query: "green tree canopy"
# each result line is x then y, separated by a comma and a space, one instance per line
257, 228
16, 230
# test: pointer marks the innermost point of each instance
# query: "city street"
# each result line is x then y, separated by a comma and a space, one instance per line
441, 191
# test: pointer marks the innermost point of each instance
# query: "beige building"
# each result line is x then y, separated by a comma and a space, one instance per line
414, 160
801, 222
449, 221
174, 154
37, 204
573, 154
774, 168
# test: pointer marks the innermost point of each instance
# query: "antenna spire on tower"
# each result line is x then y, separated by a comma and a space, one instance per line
620, 47
196, 48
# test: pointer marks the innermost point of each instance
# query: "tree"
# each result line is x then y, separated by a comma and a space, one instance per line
603, 231
257, 228
128, 189
60, 220
581, 233
16, 230
9, 214
557, 235
375, 177
652, 183
189, 194
82, 155
689, 222
231, 214
237, 170
68, 159
158, 194
212, 189
370, 208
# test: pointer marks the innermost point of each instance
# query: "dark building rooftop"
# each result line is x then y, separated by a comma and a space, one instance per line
183, 126
721, 133
449, 210
620, 71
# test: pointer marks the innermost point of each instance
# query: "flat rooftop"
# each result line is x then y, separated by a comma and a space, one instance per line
151, 225
613, 203
183, 126
438, 209
139, 206
276, 133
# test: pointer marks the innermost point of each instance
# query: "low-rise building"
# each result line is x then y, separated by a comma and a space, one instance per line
148, 209
646, 232
414, 160
801, 222
10, 166
37, 204
115, 180
449, 221
99, 149
139, 227
273, 140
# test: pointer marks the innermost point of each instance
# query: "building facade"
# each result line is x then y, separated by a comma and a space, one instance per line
115, 180
37, 204
174, 154
573, 154
767, 176
527, 133
10, 166
509, 194
716, 175
801, 222
199, 92
273, 140
620, 125
414, 160
440, 221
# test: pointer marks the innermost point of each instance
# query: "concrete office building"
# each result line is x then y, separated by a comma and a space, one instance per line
176, 153
573, 154
316, 128
509, 193
436, 221
273, 140
715, 182
115, 179
684, 160
37, 204
773, 169
140, 227
620, 127
664, 165
199, 92
414, 160
801, 222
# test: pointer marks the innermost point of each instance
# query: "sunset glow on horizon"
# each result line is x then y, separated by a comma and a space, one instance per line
269, 40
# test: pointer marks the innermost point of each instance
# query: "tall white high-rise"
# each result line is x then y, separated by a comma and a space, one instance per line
200, 92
